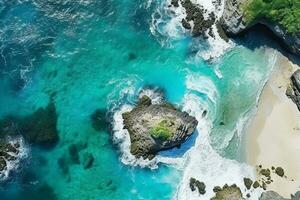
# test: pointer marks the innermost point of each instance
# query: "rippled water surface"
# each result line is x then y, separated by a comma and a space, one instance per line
99, 54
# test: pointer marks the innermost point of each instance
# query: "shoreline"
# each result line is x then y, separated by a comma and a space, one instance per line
273, 132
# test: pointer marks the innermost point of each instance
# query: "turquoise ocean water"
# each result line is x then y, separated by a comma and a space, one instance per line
99, 54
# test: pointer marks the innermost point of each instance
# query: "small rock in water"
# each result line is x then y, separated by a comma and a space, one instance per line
195, 184
265, 172
248, 183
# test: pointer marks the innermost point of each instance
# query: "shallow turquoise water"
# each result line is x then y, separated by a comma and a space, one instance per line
99, 55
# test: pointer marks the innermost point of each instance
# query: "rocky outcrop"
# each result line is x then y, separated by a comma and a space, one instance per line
156, 127
195, 19
9, 152
228, 193
293, 90
195, 184
271, 195
233, 22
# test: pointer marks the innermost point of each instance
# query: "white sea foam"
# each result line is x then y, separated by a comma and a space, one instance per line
203, 162
155, 95
14, 164
166, 21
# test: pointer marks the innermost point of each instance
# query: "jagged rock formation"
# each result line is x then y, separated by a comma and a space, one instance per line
293, 90
156, 127
195, 184
197, 22
228, 193
271, 195
9, 152
234, 22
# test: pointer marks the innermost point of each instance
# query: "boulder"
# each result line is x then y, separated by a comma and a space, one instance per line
293, 90
195, 184
271, 195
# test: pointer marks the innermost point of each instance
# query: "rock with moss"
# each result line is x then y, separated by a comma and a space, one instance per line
228, 193
280, 16
156, 127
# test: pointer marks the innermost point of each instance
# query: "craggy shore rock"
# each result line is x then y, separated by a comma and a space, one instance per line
271, 195
197, 22
156, 127
293, 90
234, 22
8, 152
228, 193
195, 184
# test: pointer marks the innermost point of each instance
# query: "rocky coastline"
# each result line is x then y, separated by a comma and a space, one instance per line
156, 127
232, 23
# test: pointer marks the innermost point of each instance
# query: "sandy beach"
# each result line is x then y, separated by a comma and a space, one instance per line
273, 135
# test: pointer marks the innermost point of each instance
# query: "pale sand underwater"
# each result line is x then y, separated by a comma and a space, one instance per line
273, 135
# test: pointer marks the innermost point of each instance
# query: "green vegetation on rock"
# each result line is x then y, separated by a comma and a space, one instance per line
282, 12
161, 130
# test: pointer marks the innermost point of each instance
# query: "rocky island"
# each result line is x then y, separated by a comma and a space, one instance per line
156, 127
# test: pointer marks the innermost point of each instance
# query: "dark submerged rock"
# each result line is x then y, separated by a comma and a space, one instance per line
88, 160
99, 120
38, 128
156, 127
74, 153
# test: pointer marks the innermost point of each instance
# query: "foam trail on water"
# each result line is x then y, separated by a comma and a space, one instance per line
203, 162
167, 21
